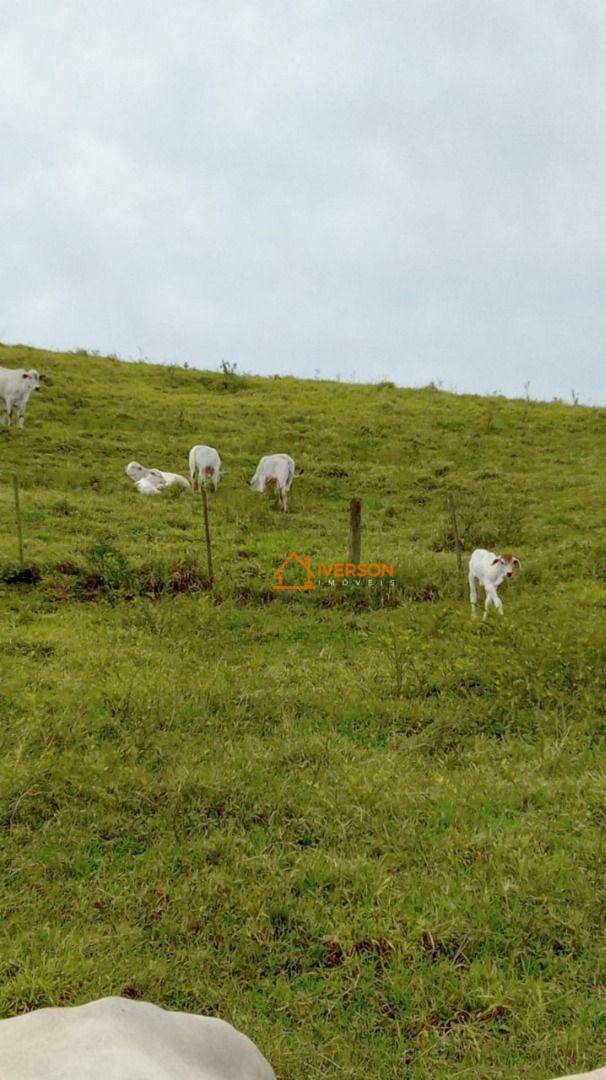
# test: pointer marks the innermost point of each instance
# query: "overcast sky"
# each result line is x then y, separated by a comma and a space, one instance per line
403, 189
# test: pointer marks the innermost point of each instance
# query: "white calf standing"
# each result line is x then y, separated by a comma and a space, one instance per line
204, 465
489, 570
278, 469
15, 387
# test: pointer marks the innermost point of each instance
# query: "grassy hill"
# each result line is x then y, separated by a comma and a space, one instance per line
363, 828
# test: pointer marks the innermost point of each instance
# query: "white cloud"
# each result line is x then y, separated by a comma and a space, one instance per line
406, 191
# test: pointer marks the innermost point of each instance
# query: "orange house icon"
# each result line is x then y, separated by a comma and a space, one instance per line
308, 584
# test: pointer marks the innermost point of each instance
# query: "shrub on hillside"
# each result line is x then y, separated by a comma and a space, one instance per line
481, 523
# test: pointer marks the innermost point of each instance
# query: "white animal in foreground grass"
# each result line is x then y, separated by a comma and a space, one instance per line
278, 469
152, 482
595, 1074
120, 1039
204, 465
489, 570
16, 385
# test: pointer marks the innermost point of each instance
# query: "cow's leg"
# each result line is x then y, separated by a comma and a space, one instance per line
492, 597
473, 594
284, 498
21, 416
497, 602
487, 603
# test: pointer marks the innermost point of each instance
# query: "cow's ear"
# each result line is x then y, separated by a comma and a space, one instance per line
516, 561
25, 375
495, 561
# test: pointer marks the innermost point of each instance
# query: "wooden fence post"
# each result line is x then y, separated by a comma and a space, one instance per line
18, 517
455, 528
209, 556
355, 530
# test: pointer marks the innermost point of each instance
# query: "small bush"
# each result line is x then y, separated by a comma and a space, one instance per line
63, 508
482, 523
109, 565
21, 575
336, 472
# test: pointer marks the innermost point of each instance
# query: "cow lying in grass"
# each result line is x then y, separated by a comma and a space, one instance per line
489, 571
278, 469
153, 481
120, 1039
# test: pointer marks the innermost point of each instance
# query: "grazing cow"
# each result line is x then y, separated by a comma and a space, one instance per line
152, 481
119, 1039
15, 387
278, 469
489, 570
204, 465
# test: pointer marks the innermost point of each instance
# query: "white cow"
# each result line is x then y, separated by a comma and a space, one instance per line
204, 465
16, 385
595, 1074
278, 469
119, 1039
153, 481
150, 485
489, 570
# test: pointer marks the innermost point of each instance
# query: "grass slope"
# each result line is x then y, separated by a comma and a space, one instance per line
364, 829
